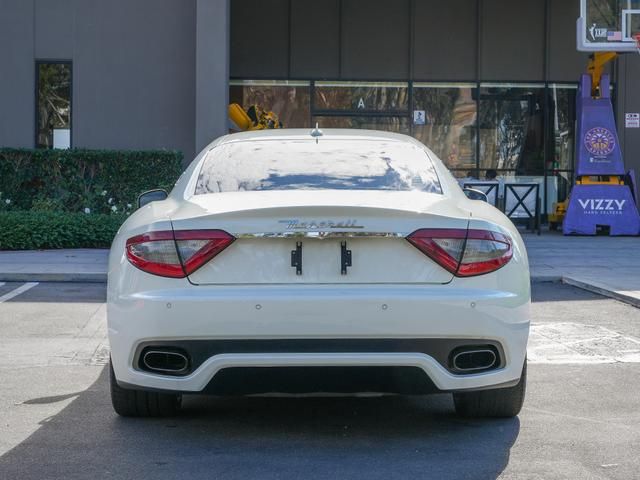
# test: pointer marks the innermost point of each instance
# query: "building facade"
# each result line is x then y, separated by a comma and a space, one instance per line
487, 84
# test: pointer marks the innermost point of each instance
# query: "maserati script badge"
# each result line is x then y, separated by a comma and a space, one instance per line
295, 224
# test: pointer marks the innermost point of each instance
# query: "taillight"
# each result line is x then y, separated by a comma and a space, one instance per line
465, 253
176, 254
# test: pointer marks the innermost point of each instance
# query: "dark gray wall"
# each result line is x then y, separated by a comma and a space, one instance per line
17, 74
54, 28
320, 39
212, 71
263, 33
513, 40
146, 73
134, 74
565, 62
375, 33
315, 39
445, 40
464, 40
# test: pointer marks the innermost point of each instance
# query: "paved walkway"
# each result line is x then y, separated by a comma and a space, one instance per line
77, 265
606, 265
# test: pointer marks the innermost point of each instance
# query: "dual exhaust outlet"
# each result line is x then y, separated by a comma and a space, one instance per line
462, 360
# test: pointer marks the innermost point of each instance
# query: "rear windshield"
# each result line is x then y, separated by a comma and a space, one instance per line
326, 165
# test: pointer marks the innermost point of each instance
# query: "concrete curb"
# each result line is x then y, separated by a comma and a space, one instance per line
546, 278
71, 277
601, 289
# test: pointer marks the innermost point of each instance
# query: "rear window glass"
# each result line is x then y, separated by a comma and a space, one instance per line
326, 165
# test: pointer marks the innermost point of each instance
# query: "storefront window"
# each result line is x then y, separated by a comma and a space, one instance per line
364, 96
54, 105
511, 121
290, 100
486, 131
445, 118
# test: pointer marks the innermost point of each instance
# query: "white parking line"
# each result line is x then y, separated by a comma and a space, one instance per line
17, 291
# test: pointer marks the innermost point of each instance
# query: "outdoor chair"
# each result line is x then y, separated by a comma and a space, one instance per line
522, 204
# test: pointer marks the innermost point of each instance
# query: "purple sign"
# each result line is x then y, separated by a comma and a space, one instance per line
598, 153
598, 149
591, 206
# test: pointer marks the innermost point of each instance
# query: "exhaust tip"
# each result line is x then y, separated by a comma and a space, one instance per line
165, 361
473, 359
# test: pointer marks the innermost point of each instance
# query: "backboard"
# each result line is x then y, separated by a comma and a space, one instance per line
608, 25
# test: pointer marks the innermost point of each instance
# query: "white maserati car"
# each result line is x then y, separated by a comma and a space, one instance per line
343, 261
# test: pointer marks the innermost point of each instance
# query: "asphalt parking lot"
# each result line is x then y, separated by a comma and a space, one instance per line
581, 418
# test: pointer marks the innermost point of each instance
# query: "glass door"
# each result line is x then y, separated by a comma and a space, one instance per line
511, 121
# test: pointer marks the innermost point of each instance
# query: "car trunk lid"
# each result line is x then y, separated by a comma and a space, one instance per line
311, 237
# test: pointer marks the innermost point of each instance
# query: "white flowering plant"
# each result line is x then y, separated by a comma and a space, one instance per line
5, 203
99, 200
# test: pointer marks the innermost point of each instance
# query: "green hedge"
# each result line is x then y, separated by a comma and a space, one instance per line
21, 230
75, 180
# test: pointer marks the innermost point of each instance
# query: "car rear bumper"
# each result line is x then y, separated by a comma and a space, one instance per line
362, 315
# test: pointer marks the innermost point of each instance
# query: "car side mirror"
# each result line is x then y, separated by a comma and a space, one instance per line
155, 195
473, 194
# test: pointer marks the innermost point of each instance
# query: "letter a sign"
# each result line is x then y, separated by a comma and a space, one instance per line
361, 103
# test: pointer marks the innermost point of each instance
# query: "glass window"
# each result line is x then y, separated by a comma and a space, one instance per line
326, 165
289, 100
449, 123
388, 124
511, 121
562, 116
54, 105
365, 96
562, 109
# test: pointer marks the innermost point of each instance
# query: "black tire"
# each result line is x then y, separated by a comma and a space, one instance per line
140, 403
498, 402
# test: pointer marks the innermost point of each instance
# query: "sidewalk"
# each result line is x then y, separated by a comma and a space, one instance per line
78, 265
605, 265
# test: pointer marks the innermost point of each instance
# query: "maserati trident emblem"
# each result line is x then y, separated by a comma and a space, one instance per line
296, 224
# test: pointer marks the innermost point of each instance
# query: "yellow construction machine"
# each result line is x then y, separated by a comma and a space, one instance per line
254, 118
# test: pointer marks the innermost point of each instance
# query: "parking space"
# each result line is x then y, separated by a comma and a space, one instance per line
581, 418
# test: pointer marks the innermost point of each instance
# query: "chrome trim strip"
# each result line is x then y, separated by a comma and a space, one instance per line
320, 235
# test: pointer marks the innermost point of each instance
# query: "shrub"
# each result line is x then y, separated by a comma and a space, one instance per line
32, 230
75, 180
